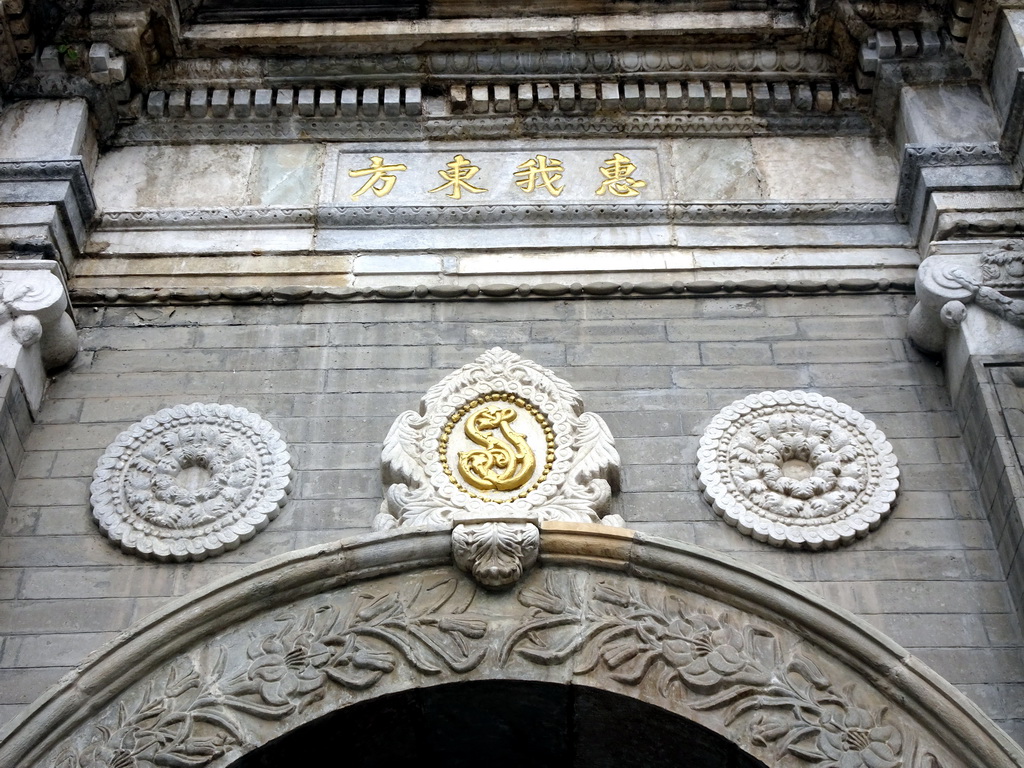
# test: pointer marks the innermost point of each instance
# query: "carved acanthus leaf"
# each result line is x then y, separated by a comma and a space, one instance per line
496, 554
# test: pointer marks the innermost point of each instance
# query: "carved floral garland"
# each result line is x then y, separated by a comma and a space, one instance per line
771, 695
191, 481
797, 469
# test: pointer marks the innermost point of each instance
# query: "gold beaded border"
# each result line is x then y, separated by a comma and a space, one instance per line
539, 417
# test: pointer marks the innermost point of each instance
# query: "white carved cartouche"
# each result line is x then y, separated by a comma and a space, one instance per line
499, 444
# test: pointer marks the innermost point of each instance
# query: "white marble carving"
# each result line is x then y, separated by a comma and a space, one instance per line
191, 481
989, 276
496, 554
36, 333
750, 656
797, 469
501, 440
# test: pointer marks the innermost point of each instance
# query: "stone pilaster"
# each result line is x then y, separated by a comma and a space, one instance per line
968, 311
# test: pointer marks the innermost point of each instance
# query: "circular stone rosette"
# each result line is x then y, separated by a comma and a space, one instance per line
797, 469
190, 482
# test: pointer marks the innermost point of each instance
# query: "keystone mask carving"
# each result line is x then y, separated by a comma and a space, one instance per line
497, 447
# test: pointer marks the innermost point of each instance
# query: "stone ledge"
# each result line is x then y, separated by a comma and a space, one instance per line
495, 291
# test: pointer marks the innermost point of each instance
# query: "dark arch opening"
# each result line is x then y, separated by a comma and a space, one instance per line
502, 724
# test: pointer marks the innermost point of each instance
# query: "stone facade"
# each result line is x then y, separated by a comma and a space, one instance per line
301, 228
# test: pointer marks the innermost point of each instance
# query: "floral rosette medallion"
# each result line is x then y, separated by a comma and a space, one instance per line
498, 446
797, 469
191, 481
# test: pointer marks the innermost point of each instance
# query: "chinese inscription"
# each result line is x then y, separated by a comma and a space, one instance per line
546, 172
618, 173
457, 177
535, 175
381, 177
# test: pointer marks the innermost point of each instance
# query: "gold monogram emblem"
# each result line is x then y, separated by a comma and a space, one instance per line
496, 455
502, 463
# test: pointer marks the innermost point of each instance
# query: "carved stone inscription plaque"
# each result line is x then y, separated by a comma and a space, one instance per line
538, 175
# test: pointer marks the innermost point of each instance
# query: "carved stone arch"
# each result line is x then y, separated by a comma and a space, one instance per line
763, 663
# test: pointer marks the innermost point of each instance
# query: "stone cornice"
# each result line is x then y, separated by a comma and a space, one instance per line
285, 294
62, 211
870, 212
70, 170
488, 106
926, 169
655, 125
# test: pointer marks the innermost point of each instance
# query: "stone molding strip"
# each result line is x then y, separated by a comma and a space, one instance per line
871, 212
327, 38
494, 291
612, 569
549, 64
70, 170
916, 183
495, 126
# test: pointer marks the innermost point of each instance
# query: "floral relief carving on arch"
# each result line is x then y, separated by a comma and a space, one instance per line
759, 684
770, 668
763, 664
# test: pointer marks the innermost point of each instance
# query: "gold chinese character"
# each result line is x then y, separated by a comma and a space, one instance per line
540, 170
459, 172
381, 179
617, 171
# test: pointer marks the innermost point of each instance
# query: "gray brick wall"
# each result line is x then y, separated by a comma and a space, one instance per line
333, 377
990, 407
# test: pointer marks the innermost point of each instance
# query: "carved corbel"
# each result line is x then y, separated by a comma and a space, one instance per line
36, 333
947, 284
941, 297
496, 553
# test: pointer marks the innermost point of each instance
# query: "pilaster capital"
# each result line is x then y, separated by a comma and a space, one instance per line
36, 332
